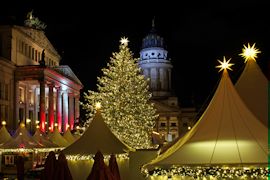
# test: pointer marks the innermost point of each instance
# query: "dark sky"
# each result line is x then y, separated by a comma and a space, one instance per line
196, 35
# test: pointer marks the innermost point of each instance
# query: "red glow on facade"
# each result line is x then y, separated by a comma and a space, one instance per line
52, 127
60, 127
51, 122
42, 119
66, 126
72, 126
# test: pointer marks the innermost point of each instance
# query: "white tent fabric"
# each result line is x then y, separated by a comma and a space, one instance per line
228, 133
252, 86
58, 139
97, 137
40, 137
21, 130
69, 137
4, 135
21, 139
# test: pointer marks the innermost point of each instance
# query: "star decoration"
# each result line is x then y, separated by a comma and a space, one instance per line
225, 64
124, 41
98, 105
250, 52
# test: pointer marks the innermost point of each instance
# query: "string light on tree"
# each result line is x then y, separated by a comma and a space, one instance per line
98, 105
125, 98
225, 64
250, 52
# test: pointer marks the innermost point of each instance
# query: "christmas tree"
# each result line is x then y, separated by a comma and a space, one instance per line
125, 99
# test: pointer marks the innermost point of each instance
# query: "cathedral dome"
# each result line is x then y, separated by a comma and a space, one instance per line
153, 40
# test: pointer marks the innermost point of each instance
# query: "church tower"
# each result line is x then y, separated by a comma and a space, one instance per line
173, 121
155, 64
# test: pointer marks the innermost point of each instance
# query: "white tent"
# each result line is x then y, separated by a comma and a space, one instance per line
58, 139
227, 133
40, 137
252, 86
21, 139
97, 137
4, 135
69, 137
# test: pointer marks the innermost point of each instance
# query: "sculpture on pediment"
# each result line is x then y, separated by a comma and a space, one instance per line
34, 22
42, 61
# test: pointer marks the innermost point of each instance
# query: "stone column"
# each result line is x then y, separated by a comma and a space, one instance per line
59, 108
153, 76
65, 110
71, 110
164, 79
51, 109
17, 104
77, 107
35, 105
169, 79
26, 102
42, 113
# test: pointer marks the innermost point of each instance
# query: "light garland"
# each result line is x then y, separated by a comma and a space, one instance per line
18, 150
79, 157
36, 150
48, 149
212, 172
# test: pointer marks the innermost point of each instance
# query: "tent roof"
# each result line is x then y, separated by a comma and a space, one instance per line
69, 137
58, 139
226, 134
97, 137
21, 130
4, 135
39, 137
252, 86
21, 139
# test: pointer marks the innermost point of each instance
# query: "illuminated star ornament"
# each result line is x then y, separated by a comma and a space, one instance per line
124, 41
225, 64
98, 105
249, 52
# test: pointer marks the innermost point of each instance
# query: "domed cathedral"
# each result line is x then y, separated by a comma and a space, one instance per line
34, 87
174, 121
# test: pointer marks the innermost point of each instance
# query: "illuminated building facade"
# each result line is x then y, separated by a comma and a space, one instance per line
34, 87
174, 121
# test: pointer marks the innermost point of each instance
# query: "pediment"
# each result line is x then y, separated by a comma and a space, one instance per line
39, 37
67, 72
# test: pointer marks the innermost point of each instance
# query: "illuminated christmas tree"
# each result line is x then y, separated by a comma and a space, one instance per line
125, 98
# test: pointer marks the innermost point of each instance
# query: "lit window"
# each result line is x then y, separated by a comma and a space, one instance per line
162, 124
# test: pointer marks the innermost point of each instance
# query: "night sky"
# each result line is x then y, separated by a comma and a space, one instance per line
196, 36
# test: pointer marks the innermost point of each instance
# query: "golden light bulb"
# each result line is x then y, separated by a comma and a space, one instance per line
4, 123
28, 121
